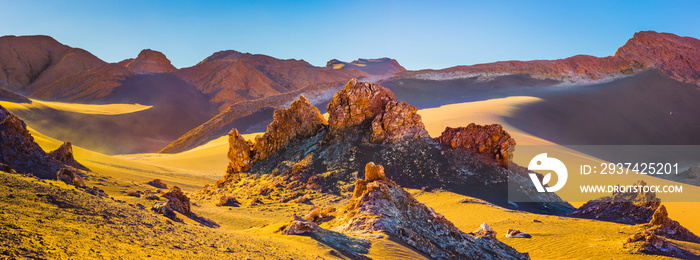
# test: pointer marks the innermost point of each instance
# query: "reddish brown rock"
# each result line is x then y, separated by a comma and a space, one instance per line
299, 226
178, 201
64, 154
228, 201
240, 153
490, 140
486, 231
662, 225
149, 61
357, 104
70, 177
648, 243
381, 205
158, 183
374, 173
398, 121
300, 120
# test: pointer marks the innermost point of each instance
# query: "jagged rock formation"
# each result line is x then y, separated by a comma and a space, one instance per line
149, 61
240, 153
621, 207
64, 154
357, 104
383, 66
489, 140
379, 204
178, 201
301, 120
19, 151
314, 157
652, 239
674, 55
662, 225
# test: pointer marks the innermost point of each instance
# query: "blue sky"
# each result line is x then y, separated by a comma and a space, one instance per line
425, 34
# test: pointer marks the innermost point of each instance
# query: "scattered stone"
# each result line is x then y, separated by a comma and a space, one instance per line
97, 192
514, 233
536, 221
158, 183
137, 193
178, 201
228, 201
486, 231
68, 176
299, 226
6, 168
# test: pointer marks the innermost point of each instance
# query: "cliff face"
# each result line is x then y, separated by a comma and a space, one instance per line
676, 56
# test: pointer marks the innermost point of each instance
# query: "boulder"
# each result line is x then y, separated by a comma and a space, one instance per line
486, 231
374, 172
299, 226
158, 183
70, 177
489, 140
178, 201
228, 201
164, 209
6, 168
514, 233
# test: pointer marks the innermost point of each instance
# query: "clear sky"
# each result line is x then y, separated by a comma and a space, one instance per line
427, 34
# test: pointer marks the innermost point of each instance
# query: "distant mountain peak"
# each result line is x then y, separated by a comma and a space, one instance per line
149, 61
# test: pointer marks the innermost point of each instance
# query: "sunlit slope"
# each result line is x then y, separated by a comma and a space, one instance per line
93, 109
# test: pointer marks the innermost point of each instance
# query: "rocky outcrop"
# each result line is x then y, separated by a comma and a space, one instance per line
662, 225
489, 140
158, 183
383, 66
647, 243
178, 201
64, 154
357, 104
300, 120
6, 95
379, 204
149, 61
621, 207
70, 177
240, 153
19, 151
398, 121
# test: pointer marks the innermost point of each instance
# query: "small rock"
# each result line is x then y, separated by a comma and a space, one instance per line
514, 233
158, 183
